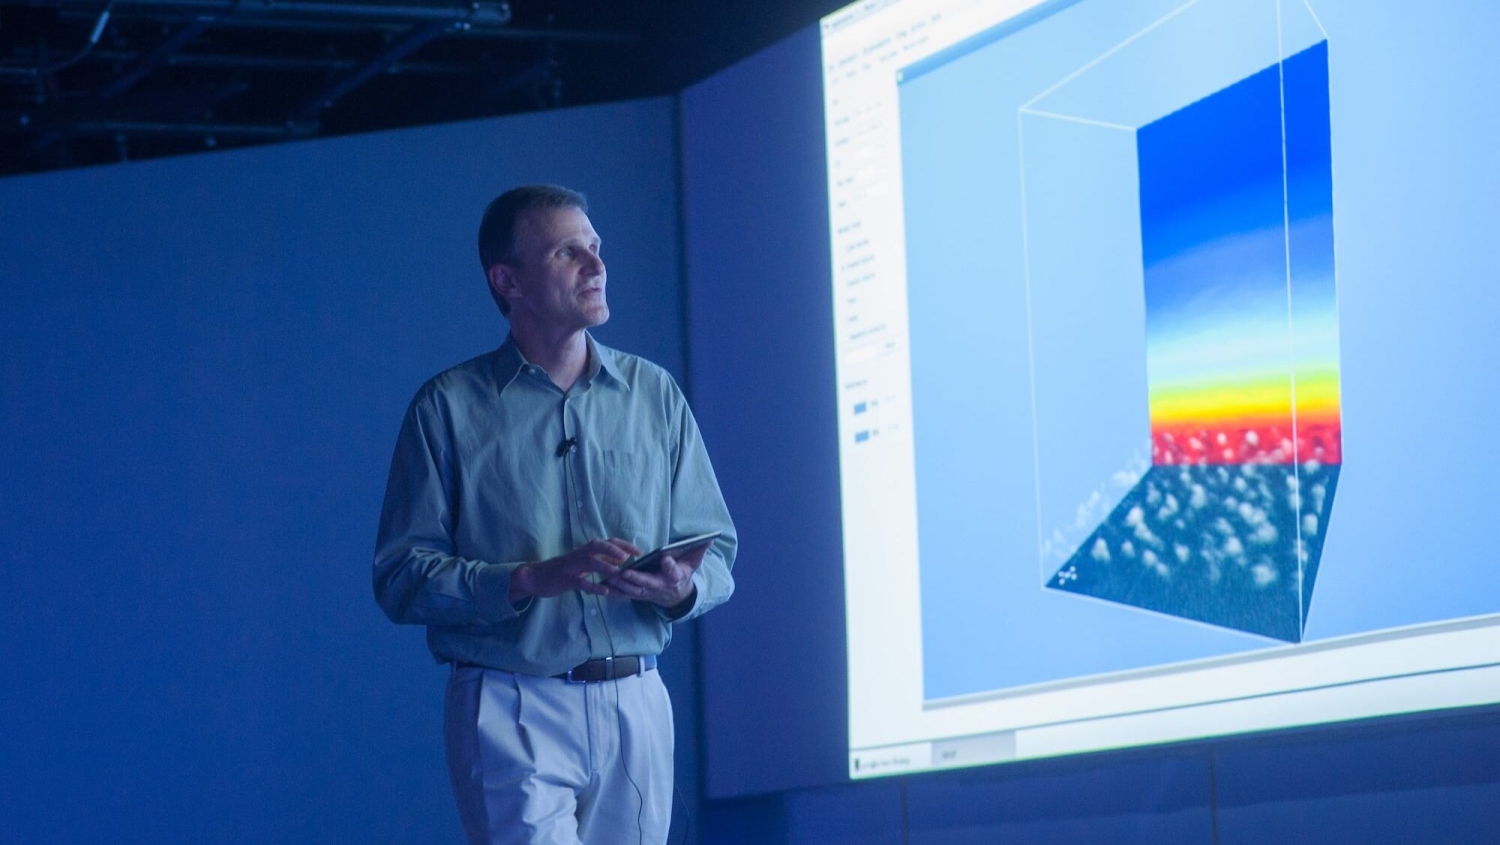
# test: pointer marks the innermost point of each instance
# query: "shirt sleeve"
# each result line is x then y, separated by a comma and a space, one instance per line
698, 508
418, 579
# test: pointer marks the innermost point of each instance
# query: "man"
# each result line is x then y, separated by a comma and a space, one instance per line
520, 481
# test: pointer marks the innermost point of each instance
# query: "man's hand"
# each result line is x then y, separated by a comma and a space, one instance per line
572, 571
669, 586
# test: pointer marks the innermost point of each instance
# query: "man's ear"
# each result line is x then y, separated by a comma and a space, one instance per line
502, 282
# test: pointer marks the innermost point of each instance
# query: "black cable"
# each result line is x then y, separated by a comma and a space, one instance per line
640, 797
34, 72
566, 450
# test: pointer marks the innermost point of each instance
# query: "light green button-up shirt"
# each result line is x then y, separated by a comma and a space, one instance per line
477, 488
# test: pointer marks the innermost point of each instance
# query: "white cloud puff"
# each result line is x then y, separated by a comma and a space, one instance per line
1264, 574
1199, 497
1310, 524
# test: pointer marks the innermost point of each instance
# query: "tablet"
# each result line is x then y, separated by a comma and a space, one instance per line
651, 561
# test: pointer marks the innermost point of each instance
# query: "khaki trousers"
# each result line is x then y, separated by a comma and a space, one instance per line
547, 762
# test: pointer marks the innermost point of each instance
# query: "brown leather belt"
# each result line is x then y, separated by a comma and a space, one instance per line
609, 668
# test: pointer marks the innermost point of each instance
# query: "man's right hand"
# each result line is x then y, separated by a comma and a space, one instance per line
572, 571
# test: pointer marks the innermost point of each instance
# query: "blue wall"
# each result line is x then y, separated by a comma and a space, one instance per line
204, 362
761, 341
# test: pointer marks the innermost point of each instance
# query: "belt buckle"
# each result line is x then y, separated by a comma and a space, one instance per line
609, 672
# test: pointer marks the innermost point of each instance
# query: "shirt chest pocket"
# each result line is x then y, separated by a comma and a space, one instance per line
632, 493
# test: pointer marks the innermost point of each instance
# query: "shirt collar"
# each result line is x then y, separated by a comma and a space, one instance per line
605, 360
509, 362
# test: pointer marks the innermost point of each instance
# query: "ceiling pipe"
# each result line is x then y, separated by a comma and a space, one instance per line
64, 115
295, 64
149, 62
481, 14
262, 131
399, 50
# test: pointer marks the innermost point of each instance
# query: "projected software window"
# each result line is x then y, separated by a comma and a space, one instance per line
1125, 457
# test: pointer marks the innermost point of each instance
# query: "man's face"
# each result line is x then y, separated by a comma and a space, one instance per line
557, 279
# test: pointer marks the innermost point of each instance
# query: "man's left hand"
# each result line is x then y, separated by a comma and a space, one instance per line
669, 586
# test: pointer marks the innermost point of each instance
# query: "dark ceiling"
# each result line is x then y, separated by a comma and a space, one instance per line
95, 81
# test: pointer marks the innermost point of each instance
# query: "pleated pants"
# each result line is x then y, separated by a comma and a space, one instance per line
547, 762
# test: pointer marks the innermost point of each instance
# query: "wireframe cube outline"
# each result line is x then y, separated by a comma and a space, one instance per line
1080, 149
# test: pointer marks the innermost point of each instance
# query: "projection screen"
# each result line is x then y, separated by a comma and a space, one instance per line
1164, 343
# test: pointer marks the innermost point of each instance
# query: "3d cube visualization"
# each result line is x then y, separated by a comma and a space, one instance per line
1193, 472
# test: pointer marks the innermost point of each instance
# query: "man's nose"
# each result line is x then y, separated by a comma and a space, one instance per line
594, 266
